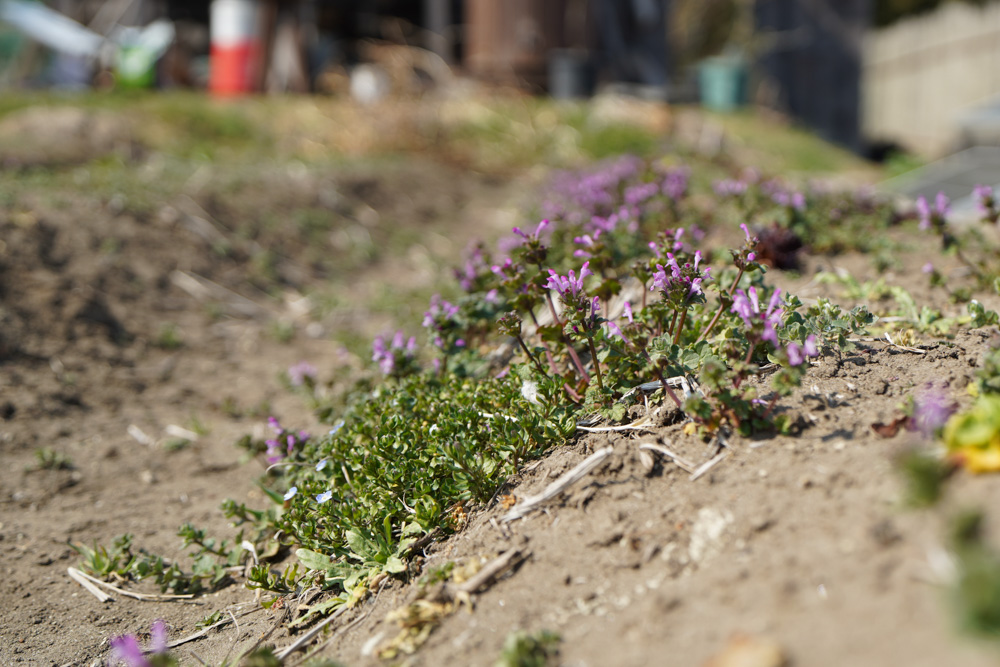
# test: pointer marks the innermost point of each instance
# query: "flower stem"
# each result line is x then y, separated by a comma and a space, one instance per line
530, 355
576, 359
680, 326
722, 306
597, 364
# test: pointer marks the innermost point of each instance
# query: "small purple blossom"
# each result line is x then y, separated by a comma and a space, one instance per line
747, 306
986, 203
440, 312
126, 648
388, 357
680, 283
675, 183
158, 637
628, 312
928, 267
931, 410
936, 217
729, 187
535, 236
570, 283
798, 353
301, 372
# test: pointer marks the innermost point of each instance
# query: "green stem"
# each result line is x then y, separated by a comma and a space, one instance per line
597, 364
535, 361
722, 306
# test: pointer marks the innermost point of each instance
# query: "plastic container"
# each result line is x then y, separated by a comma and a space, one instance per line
723, 83
571, 74
235, 46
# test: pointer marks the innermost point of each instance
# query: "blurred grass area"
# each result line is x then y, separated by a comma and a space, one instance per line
774, 146
279, 174
494, 132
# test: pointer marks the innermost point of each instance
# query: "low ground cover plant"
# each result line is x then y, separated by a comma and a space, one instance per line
637, 288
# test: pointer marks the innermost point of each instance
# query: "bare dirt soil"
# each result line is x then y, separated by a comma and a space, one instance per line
116, 324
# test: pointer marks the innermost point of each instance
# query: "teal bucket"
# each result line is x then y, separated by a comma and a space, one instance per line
723, 83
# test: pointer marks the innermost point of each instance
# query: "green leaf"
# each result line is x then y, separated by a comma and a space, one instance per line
393, 565
314, 560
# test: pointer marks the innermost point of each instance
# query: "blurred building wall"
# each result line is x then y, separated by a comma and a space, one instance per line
809, 62
919, 75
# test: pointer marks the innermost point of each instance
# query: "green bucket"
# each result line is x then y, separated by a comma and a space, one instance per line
723, 83
136, 67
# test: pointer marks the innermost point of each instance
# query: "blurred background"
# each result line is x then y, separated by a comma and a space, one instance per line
875, 76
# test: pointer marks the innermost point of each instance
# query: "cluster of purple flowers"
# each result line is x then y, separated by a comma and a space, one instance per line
747, 306
636, 195
680, 282
798, 353
931, 409
475, 266
569, 285
675, 183
439, 318
986, 203
933, 217
576, 197
302, 373
284, 442
730, 187
389, 357
588, 242
126, 647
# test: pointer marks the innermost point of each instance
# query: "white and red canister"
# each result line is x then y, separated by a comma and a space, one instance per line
235, 53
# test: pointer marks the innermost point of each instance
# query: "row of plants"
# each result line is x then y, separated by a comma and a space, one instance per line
638, 274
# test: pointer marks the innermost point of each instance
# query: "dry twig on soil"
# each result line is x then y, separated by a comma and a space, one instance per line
532, 503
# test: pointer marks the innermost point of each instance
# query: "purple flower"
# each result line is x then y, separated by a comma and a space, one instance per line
300, 372
729, 187
798, 353
615, 330
932, 217
158, 637
931, 410
986, 203
126, 649
439, 313
928, 267
747, 306
675, 183
570, 283
387, 357
538, 230
638, 194
677, 282
628, 312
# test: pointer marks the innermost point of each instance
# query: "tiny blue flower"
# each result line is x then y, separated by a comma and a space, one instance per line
291, 492
321, 465
336, 427
323, 497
